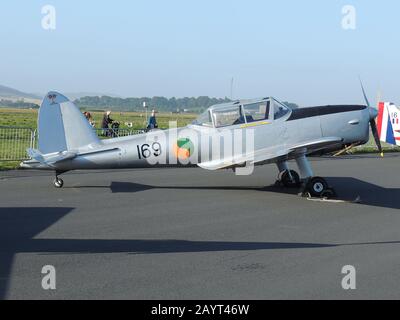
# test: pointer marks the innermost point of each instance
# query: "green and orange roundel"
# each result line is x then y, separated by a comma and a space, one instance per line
183, 148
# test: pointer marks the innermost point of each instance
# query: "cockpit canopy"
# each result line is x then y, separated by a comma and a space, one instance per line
242, 112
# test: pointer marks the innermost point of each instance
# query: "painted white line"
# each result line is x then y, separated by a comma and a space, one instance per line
357, 200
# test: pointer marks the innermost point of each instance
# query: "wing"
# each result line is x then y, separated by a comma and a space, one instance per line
273, 154
316, 145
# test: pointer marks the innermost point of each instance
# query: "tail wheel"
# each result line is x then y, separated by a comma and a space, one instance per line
58, 183
290, 179
317, 186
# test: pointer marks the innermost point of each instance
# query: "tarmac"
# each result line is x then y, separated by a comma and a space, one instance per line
194, 234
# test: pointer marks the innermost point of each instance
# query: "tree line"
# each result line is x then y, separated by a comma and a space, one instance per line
196, 105
159, 103
18, 104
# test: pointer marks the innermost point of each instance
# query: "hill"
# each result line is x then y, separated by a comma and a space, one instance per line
10, 93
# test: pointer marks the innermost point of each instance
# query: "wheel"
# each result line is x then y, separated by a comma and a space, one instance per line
317, 186
291, 180
58, 183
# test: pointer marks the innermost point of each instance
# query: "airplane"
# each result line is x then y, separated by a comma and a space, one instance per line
277, 134
388, 122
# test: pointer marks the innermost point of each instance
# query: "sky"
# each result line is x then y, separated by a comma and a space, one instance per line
296, 51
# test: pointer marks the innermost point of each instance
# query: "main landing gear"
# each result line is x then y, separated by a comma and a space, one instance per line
310, 186
289, 179
317, 187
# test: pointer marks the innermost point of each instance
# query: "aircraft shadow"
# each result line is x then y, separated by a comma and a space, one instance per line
20, 226
348, 189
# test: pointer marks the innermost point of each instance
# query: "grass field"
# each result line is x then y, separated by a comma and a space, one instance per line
18, 117
28, 118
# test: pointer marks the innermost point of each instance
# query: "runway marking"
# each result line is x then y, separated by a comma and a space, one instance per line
357, 200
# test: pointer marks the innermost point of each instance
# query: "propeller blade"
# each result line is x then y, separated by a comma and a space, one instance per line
376, 135
365, 95
372, 122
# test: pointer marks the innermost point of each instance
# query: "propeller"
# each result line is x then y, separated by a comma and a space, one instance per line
373, 114
376, 136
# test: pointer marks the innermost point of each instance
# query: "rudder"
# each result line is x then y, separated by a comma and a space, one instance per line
388, 123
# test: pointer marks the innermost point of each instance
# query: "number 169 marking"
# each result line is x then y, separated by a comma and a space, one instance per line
145, 151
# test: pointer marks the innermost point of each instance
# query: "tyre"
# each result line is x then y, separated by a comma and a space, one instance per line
317, 186
291, 180
58, 183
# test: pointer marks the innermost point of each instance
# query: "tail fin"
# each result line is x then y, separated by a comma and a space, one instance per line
388, 123
62, 126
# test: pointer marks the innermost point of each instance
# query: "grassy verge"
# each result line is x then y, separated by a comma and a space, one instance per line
373, 150
9, 165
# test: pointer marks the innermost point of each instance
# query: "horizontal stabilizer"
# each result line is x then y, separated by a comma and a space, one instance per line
36, 155
52, 158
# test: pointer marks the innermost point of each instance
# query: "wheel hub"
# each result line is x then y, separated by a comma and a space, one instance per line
318, 187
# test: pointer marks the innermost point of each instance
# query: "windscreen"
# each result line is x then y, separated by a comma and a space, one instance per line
256, 111
228, 117
280, 110
203, 120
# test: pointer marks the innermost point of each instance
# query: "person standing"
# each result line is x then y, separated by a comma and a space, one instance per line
89, 118
152, 124
106, 122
